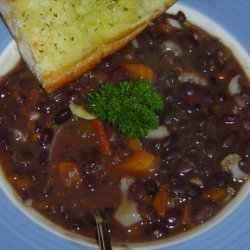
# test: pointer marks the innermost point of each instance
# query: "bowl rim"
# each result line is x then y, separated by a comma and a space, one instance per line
204, 22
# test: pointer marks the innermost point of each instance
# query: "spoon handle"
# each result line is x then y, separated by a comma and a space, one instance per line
102, 231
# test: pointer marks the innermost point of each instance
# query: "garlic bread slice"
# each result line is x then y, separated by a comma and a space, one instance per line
61, 39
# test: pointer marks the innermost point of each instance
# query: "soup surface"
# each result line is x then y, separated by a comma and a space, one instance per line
174, 179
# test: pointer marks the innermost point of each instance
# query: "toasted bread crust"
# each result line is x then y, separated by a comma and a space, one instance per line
56, 79
84, 65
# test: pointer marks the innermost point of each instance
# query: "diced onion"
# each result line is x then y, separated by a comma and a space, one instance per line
197, 181
127, 214
171, 46
231, 163
80, 112
192, 77
20, 136
135, 43
240, 100
230, 193
174, 23
234, 86
124, 185
28, 202
34, 116
159, 133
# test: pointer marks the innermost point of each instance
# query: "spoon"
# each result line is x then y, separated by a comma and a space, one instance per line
102, 230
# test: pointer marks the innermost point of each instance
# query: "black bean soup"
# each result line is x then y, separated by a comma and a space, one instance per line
199, 157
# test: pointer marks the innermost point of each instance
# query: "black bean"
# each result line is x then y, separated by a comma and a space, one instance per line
173, 218
221, 97
184, 125
173, 179
149, 37
246, 149
190, 89
206, 170
151, 187
119, 75
208, 64
160, 38
193, 190
45, 107
186, 166
172, 155
78, 225
200, 120
177, 191
189, 43
22, 160
218, 180
246, 124
209, 98
138, 190
158, 231
90, 182
211, 149
43, 160
185, 106
162, 76
211, 47
205, 211
245, 165
181, 17
62, 116
167, 77
199, 138
4, 144
169, 142
90, 167
47, 136
230, 119
230, 140
147, 212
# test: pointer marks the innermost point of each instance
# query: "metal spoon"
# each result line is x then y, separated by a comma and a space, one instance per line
102, 231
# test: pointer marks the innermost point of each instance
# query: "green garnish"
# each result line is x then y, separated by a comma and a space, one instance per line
130, 106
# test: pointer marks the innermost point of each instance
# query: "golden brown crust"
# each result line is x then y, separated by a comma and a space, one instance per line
53, 80
53, 83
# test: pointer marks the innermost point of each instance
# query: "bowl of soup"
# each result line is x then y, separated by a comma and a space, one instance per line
60, 162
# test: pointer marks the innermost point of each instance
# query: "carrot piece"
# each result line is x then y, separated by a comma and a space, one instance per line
25, 113
220, 75
139, 162
215, 194
134, 231
186, 217
106, 169
33, 95
104, 141
224, 53
160, 200
134, 144
21, 183
35, 137
140, 71
42, 204
191, 100
69, 174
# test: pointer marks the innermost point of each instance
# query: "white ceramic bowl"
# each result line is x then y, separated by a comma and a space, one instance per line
11, 56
